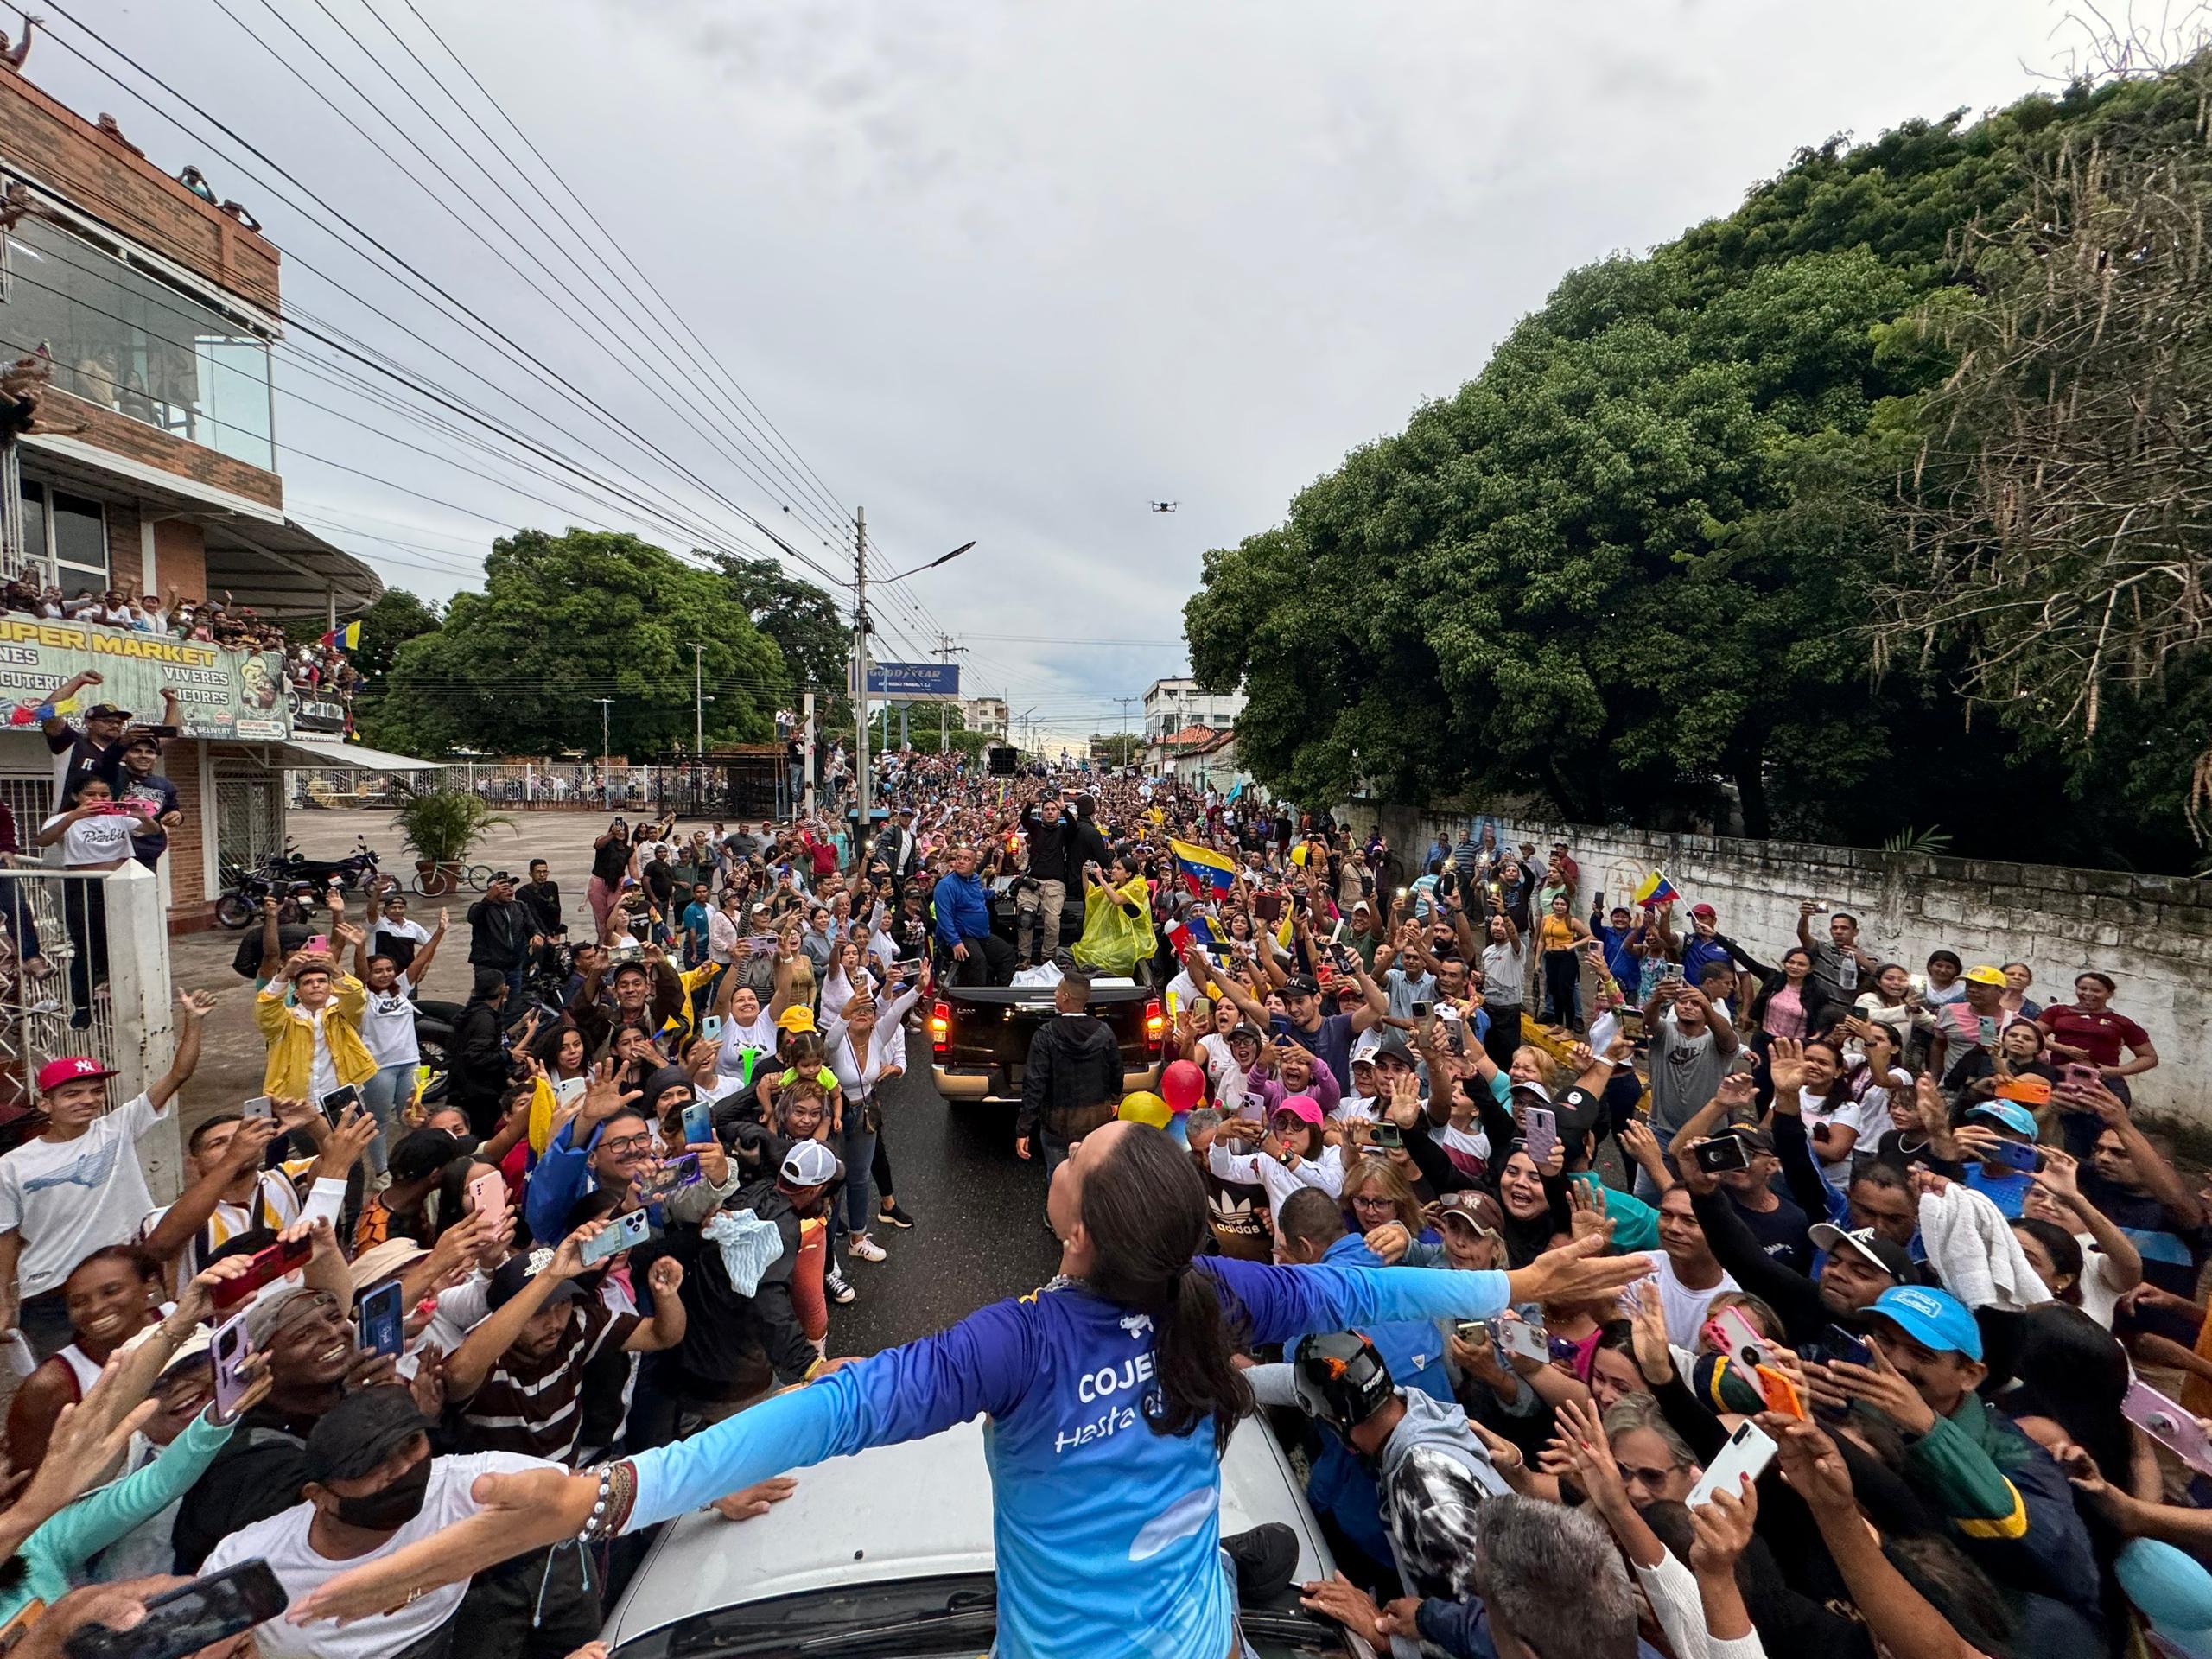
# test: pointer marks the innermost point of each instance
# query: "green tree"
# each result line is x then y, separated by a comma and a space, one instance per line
1631, 568
803, 621
566, 620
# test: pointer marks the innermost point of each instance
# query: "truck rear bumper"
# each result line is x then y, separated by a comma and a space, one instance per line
993, 1084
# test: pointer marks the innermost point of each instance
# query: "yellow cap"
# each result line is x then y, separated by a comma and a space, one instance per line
796, 1020
1985, 975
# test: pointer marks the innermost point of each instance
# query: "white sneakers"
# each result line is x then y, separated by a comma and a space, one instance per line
865, 1249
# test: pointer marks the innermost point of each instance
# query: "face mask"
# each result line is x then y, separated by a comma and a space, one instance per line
392, 1508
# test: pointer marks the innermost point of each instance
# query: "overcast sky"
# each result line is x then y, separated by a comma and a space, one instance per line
1001, 272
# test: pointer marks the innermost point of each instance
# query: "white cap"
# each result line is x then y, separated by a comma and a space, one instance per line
1365, 1044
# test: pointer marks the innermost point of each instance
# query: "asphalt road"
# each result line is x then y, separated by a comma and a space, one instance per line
978, 1231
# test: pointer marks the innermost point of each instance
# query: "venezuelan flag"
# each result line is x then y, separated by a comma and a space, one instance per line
1656, 889
1203, 869
348, 638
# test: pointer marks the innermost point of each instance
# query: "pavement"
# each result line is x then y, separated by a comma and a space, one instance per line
978, 1235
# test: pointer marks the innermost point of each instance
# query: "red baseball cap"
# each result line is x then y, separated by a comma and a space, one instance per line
55, 1073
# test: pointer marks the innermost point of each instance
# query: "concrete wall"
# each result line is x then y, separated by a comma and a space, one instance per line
2152, 933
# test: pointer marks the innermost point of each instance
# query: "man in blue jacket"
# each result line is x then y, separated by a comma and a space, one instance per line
970, 952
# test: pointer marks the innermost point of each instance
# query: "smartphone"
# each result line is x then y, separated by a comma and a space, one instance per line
2168, 1425
2019, 1155
487, 1193
698, 1124
1748, 1452
710, 1027
259, 1106
318, 945
231, 1348
1729, 1332
1388, 1137
334, 1104
1842, 1346
380, 1316
189, 1617
2076, 1074
624, 1233
1423, 1007
1722, 1153
1524, 1336
1474, 1332
265, 1268
668, 1176
1539, 1132
572, 1089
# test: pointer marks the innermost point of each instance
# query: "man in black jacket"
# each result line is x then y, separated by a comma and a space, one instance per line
1071, 1082
1037, 920
499, 932
731, 1329
540, 898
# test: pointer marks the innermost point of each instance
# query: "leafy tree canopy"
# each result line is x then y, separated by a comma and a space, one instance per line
565, 621
1627, 568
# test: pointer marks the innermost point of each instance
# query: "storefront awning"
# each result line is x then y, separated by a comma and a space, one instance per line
303, 751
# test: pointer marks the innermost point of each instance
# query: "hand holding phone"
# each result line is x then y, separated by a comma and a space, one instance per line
1748, 1454
1538, 1134
380, 1316
183, 1621
266, 1267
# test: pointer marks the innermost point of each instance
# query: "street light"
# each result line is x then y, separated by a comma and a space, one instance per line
860, 656
942, 558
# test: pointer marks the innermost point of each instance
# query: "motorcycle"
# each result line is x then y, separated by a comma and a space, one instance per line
239, 904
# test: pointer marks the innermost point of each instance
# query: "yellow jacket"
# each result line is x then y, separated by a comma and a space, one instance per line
289, 1032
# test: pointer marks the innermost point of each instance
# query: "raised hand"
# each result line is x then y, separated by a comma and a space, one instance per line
1574, 1272
1785, 1064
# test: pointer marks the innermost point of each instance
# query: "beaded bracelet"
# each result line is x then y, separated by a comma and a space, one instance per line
611, 1504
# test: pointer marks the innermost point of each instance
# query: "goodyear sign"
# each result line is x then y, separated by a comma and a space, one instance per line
219, 693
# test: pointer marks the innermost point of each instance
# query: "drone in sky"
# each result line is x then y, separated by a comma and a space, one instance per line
1163, 506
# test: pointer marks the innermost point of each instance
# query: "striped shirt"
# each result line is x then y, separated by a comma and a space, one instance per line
534, 1408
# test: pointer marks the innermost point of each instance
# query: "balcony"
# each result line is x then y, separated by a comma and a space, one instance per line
123, 339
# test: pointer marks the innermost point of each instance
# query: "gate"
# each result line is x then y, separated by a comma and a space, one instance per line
249, 816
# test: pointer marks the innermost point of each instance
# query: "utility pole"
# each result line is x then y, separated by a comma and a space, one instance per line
698, 702
1125, 703
806, 756
944, 651
860, 680
605, 757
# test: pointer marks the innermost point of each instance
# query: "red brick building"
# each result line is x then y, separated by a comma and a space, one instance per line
159, 312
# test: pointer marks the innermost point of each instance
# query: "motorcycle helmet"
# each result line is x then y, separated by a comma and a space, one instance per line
1341, 1381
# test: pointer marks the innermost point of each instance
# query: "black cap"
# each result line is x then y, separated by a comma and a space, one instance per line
422, 1151
106, 711
630, 967
1247, 1029
1393, 1044
514, 1273
1300, 985
359, 1432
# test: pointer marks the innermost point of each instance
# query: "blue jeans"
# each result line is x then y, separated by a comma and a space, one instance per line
857, 1149
384, 1094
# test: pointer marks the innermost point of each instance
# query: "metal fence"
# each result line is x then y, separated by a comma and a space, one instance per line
692, 791
85, 970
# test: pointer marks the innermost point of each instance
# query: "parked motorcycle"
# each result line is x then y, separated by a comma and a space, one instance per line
239, 904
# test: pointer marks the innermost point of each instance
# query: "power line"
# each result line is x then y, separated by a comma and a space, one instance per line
418, 282
821, 490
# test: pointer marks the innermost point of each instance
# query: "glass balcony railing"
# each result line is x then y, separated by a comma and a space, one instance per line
128, 341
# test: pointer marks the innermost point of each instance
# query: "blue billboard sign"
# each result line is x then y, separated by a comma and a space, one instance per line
913, 680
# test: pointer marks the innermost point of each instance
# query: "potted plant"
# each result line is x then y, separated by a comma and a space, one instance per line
442, 827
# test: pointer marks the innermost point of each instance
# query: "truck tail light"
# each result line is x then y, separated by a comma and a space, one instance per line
1155, 1025
940, 1025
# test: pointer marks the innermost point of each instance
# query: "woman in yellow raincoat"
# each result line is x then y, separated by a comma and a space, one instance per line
1117, 920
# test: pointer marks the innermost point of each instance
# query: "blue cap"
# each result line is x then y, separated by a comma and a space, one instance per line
1936, 1319
2013, 1117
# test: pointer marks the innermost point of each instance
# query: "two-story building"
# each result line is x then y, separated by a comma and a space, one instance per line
153, 468
1174, 706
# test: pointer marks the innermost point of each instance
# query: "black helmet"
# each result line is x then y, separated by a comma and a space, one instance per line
1341, 1380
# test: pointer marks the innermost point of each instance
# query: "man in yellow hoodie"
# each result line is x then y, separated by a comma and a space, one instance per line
315, 1039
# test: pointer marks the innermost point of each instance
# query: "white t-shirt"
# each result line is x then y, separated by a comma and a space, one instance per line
1684, 1307
1869, 1115
71, 1198
282, 1541
1505, 968
100, 839
387, 1029
322, 1072
736, 1039
2100, 1296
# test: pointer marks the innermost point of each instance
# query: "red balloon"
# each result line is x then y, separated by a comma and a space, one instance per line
1183, 1085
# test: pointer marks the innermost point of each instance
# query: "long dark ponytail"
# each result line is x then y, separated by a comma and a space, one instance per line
1145, 1209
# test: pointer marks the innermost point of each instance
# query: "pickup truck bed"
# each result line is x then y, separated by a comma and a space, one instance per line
979, 1036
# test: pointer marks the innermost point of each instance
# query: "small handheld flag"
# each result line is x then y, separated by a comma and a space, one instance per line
1656, 889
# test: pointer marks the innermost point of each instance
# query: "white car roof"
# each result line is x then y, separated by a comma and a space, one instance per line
919, 1509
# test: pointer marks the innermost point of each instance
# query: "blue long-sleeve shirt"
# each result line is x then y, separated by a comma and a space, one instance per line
1108, 1535
557, 1181
963, 908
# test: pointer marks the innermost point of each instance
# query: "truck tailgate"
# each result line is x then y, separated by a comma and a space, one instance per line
980, 1036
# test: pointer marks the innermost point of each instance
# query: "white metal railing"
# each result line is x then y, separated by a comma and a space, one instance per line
85, 969
525, 786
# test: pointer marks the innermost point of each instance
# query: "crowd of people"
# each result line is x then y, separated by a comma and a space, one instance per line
318, 667
1615, 1293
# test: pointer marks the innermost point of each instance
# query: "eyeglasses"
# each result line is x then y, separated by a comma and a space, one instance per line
1374, 1201
626, 1143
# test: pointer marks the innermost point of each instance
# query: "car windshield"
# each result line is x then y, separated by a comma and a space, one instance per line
913, 1619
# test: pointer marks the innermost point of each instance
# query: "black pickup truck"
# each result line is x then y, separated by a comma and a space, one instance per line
979, 1035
